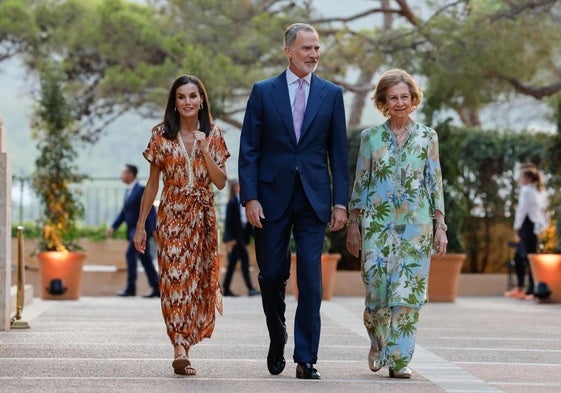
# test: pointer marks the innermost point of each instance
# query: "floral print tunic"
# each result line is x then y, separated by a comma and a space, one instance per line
187, 235
398, 190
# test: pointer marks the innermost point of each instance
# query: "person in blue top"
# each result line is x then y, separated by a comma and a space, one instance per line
396, 221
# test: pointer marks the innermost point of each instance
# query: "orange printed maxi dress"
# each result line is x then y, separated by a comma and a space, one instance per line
187, 236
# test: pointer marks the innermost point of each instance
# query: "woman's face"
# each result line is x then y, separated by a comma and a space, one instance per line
523, 179
398, 100
188, 100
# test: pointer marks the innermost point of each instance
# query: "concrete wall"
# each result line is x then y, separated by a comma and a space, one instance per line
99, 280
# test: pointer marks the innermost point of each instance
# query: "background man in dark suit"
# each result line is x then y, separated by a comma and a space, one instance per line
293, 144
129, 215
237, 234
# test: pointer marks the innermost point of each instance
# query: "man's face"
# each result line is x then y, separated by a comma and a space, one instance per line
126, 176
303, 53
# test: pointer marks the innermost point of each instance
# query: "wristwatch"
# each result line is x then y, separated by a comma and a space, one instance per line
442, 226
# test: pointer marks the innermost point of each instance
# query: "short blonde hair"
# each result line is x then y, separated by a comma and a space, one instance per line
390, 78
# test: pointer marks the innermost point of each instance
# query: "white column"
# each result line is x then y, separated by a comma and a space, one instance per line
5, 231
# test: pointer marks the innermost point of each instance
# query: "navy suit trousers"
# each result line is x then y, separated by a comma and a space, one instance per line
273, 258
147, 262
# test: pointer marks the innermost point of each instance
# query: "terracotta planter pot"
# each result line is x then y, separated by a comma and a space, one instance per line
64, 266
444, 275
328, 271
547, 268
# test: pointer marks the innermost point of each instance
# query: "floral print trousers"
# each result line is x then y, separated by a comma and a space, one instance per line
392, 334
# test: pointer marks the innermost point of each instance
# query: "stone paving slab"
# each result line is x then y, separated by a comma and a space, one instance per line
110, 344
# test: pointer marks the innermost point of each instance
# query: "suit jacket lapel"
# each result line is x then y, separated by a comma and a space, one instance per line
281, 98
315, 99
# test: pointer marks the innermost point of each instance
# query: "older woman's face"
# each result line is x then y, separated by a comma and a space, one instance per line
398, 100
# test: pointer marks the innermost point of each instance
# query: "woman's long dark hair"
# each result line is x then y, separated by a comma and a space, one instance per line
171, 115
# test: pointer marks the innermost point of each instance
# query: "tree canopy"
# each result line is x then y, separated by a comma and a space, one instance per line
121, 56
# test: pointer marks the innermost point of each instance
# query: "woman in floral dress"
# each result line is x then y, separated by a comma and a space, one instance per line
395, 204
188, 150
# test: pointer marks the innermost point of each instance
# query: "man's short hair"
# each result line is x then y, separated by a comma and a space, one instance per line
132, 169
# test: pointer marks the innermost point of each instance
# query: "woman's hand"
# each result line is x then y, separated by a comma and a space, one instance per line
353, 239
202, 143
440, 242
139, 240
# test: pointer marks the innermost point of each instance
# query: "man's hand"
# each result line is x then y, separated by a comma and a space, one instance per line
338, 219
254, 213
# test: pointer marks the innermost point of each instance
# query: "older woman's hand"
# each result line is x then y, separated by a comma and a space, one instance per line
440, 242
353, 239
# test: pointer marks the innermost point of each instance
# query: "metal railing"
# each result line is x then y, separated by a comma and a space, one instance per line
101, 197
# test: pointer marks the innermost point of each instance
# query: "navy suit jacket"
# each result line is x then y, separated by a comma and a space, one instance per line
233, 226
131, 210
270, 156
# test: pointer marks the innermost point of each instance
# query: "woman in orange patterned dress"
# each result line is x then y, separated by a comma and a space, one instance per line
188, 150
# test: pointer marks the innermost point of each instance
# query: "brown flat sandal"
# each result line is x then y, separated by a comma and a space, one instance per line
182, 366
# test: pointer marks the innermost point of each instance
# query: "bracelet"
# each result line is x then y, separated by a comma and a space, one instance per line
353, 220
441, 225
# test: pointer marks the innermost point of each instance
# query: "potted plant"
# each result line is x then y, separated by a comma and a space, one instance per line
60, 263
444, 273
546, 265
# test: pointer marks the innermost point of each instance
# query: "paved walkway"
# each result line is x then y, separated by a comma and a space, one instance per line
110, 344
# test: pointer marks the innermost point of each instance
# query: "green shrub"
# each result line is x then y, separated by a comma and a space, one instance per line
32, 230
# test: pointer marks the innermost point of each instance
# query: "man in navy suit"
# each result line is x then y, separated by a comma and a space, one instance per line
294, 177
129, 215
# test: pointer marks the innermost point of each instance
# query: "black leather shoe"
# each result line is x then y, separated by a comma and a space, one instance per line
307, 371
126, 293
275, 358
154, 293
229, 293
275, 364
254, 292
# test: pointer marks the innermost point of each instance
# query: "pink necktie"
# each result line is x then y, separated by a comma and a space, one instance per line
299, 108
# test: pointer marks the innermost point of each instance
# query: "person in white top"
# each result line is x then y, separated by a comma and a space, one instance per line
530, 219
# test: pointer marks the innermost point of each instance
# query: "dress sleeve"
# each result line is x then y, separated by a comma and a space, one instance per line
152, 152
363, 173
433, 175
217, 147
